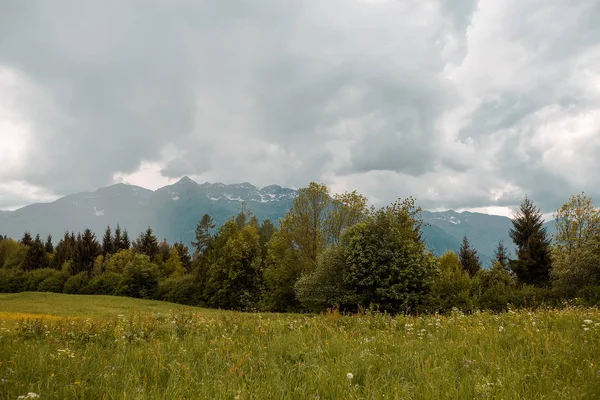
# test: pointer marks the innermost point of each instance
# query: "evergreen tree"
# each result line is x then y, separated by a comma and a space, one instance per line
501, 256
164, 251
204, 237
36, 257
49, 246
147, 244
26, 239
86, 250
468, 257
64, 250
126, 242
533, 261
108, 245
118, 240
184, 255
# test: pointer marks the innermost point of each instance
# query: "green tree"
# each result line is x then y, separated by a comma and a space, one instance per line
85, 251
387, 261
283, 268
140, 278
501, 256
108, 245
26, 239
346, 210
173, 266
64, 250
126, 242
118, 239
204, 237
49, 246
469, 258
164, 251
234, 277
451, 287
577, 221
147, 244
534, 261
36, 257
184, 255
8, 247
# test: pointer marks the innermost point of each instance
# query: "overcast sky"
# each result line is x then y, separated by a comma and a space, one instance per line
462, 104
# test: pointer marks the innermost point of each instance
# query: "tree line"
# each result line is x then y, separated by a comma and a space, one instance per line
328, 251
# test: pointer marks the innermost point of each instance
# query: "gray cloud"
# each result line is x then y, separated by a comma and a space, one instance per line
460, 103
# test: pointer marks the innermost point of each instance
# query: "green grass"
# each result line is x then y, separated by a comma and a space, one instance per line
72, 305
94, 347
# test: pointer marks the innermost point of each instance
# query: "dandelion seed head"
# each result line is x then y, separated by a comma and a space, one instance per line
349, 375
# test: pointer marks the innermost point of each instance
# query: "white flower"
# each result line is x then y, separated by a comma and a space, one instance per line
587, 321
349, 375
500, 328
30, 395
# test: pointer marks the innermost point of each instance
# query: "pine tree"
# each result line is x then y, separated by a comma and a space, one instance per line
27, 240
35, 257
533, 261
184, 255
86, 250
118, 240
468, 257
164, 251
204, 237
108, 246
147, 244
125, 243
49, 245
64, 250
501, 256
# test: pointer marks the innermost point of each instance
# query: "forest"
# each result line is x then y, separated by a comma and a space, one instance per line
330, 251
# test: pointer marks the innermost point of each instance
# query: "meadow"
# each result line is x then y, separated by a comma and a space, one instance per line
98, 347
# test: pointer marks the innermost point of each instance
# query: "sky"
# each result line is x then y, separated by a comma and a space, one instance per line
463, 104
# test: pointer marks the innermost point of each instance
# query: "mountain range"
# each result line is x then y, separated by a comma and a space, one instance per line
173, 212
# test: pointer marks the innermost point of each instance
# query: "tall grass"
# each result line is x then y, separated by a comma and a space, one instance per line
190, 354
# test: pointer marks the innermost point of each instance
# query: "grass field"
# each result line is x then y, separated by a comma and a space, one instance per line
94, 347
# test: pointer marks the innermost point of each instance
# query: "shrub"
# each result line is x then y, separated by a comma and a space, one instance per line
140, 278
180, 289
11, 281
77, 284
54, 283
106, 283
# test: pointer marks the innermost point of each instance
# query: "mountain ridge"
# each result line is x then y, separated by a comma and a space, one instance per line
174, 210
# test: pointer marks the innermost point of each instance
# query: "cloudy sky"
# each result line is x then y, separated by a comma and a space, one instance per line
464, 104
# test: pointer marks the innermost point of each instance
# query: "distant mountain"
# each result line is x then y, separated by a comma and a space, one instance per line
446, 229
174, 211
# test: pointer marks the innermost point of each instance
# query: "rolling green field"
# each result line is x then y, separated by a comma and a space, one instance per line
96, 347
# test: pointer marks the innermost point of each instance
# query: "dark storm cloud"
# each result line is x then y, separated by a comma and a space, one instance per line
460, 103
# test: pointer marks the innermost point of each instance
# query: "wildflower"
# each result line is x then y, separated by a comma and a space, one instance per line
349, 375
500, 328
29, 395
587, 321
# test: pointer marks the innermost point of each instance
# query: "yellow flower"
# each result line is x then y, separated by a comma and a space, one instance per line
78, 383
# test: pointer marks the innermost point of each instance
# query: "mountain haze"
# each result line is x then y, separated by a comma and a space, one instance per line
173, 212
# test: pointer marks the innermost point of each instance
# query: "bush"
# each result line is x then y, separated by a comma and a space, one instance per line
77, 284
451, 287
34, 278
53, 283
180, 289
11, 281
140, 278
589, 296
106, 283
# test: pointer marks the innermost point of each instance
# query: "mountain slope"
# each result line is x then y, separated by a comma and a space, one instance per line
173, 212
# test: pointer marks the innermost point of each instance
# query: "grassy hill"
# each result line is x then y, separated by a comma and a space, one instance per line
72, 305
92, 347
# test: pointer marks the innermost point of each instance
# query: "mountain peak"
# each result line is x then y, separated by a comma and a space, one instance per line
186, 180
